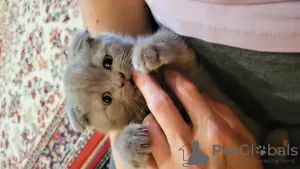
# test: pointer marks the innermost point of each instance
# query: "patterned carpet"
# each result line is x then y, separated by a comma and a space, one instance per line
34, 131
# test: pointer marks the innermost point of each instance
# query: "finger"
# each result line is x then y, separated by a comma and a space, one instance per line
163, 109
159, 145
205, 121
189, 96
231, 118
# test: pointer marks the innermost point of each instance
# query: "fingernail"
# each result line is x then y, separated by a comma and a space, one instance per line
209, 100
170, 73
171, 77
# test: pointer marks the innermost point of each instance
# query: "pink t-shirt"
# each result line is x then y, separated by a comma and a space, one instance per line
262, 25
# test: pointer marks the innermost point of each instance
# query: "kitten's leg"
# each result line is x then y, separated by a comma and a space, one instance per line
163, 47
133, 145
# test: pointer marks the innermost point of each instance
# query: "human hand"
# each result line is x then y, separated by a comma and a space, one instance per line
212, 123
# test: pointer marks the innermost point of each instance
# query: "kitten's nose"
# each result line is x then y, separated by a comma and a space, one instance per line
122, 79
118, 79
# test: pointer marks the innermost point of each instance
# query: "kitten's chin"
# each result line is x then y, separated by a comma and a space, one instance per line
112, 125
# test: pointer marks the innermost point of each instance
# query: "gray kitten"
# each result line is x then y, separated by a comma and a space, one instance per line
100, 91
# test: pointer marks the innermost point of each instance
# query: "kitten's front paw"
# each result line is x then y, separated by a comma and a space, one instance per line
145, 58
134, 145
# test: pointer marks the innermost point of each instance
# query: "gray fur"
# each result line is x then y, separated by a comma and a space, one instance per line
86, 80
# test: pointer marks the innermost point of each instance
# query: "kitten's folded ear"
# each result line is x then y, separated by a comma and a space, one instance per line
80, 40
72, 111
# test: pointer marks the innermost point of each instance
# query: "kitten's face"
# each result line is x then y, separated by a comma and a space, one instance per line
99, 89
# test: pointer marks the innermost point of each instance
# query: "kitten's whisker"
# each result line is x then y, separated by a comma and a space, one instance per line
142, 102
134, 110
139, 112
129, 109
122, 115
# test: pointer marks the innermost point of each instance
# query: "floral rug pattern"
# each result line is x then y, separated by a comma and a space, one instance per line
34, 36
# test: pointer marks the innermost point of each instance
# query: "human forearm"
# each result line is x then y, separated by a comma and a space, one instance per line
121, 16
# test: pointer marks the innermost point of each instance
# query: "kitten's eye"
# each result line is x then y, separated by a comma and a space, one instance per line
106, 97
107, 62
86, 119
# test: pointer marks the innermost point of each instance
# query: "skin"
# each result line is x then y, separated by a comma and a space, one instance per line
121, 16
212, 123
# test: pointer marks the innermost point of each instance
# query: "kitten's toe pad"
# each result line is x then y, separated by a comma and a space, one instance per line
135, 144
145, 58
138, 139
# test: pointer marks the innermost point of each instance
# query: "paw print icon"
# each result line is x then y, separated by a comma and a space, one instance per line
261, 150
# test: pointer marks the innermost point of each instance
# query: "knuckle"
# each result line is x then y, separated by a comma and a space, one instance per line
160, 103
188, 87
160, 107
